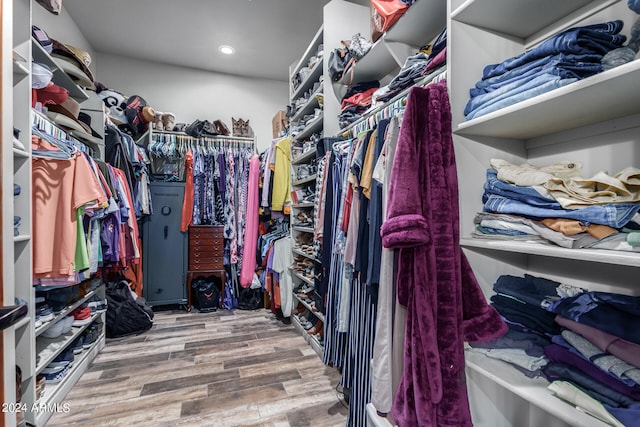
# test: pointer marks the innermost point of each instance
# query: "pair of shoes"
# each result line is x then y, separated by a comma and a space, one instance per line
57, 328
97, 305
81, 315
76, 346
54, 375
319, 326
10, 314
65, 358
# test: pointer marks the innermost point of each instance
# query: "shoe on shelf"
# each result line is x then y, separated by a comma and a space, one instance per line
65, 358
67, 323
81, 316
76, 346
87, 339
55, 330
97, 305
10, 314
55, 376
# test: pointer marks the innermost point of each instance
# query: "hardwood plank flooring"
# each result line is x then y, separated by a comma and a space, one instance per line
228, 368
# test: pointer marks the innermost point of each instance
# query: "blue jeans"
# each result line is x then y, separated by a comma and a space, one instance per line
541, 84
527, 195
551, 64
613, 215
596, 38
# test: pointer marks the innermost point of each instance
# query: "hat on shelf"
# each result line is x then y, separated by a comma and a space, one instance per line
66, 115
41, 75
75, 62
93, 135
139, 114
53, 6
50, 94
42, 38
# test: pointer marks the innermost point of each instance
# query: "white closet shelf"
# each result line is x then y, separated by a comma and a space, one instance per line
20, 68
55, 393
505, 16
59, 76
306, 180
314, 76
307, 155
419, 25
66, 312
608, 95
588, 255
309, 106
317, 347
21, 238
300, 276
21, 153
55, 346
312, 49
308, 307
303, 229
304, 254
22, 322
533, 390
313, 126
303, 205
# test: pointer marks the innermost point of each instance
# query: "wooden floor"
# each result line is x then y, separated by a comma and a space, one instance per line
229, 368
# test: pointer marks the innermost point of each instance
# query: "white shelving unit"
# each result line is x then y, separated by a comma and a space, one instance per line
593, 121
421, 23
305, 138
20, 341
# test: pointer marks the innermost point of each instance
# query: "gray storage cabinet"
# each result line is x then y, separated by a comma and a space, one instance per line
165, 247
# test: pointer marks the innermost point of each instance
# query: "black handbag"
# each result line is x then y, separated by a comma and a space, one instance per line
338, 60
199, 128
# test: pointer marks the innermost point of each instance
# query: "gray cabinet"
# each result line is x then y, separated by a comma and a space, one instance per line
165, 247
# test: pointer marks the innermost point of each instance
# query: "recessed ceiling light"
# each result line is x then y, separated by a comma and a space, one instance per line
227, 50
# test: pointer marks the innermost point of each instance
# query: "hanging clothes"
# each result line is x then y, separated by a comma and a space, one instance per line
187, 204
251, 230
445, 305
281, 197
60, 188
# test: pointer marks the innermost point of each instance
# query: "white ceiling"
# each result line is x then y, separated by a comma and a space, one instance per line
268, 35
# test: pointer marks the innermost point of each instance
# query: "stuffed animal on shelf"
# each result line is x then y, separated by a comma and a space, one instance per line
241, 128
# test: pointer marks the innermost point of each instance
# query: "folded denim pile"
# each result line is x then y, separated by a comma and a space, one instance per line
554, 204
567, 57
576, 339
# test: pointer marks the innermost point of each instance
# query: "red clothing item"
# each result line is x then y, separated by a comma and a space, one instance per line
187, 203
362, 99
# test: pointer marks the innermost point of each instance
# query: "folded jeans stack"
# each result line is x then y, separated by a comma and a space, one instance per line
571, 55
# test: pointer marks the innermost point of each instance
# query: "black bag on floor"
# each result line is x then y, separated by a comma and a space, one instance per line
207, 291
250, 299
126, 315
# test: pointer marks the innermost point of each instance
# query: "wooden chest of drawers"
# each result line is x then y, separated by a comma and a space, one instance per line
206, 248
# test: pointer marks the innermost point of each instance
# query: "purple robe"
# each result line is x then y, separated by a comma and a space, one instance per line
445, 305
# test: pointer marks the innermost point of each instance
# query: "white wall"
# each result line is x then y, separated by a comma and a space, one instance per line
194, 94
